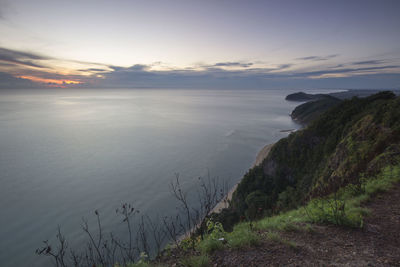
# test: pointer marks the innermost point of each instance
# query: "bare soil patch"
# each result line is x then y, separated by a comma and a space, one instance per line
377, 244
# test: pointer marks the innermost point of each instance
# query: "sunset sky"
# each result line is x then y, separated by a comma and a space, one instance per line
200, 44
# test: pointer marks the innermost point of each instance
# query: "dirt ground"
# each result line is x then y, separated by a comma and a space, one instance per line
377, 244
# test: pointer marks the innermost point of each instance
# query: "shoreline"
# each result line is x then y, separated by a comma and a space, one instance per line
224, 203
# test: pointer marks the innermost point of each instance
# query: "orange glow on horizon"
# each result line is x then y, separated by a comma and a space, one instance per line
50, 81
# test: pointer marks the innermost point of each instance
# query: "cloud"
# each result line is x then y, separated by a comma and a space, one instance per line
21, 58
29, 59
239, 68
347, 70
337, 66
141, 76
6, 64
317, 58
19, 54
284, 66
51, 75
229, 75
233, 64
133, 68
93, 70
308, 58
369, 62
8, 81
47, 70
137, 68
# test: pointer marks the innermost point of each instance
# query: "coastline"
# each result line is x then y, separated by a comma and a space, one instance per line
224, 203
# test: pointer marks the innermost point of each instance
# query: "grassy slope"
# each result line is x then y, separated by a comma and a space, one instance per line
321, 210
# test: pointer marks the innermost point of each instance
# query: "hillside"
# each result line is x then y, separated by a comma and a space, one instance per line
309, 111
345, 94
301, 96
356, 137
317, 104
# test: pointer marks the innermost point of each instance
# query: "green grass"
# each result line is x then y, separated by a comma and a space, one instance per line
209, 245
196, 261
343, 209
288, 221
242, 236
384, 181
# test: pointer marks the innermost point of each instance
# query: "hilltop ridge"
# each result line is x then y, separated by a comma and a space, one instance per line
316, 104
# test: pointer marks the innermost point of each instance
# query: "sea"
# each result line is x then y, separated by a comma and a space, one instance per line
66, 153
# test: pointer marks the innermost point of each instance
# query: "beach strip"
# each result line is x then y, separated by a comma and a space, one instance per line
224, 203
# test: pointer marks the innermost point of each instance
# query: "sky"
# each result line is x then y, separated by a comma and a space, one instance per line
200, 44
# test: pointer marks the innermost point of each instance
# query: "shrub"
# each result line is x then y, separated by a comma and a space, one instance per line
343, 207
242, 236
212, 241
209, 245
333, 211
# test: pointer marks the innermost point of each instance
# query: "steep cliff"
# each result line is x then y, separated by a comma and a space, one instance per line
352, 139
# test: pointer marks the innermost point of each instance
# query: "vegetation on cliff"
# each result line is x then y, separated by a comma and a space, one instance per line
301, 96
310, 111
354, 139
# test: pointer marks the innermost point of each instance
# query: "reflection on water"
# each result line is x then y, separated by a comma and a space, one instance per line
65, 153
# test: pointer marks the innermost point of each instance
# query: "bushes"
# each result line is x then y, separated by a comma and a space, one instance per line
217, 239
384, 181
209, 245
256, 201
344, 207
334, 211
287, 199
213, 239
242, 236
227, 217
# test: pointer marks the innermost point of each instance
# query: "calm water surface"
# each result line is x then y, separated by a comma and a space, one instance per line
65, 153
